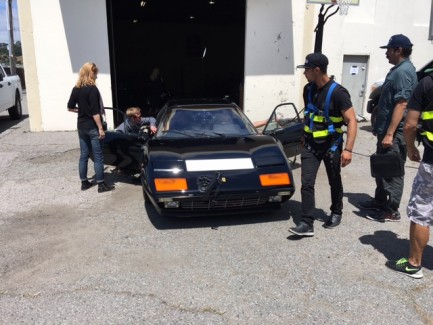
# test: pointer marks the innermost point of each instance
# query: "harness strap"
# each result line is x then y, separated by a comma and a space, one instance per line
428, 135
322, 119
311, 110
427, 115
331, 128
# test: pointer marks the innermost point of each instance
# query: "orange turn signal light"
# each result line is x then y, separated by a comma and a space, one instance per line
170, 184
275, 179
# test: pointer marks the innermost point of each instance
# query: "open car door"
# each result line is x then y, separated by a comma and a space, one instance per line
286, 126
123, 150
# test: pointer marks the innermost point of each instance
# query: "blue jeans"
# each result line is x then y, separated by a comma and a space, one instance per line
89, 140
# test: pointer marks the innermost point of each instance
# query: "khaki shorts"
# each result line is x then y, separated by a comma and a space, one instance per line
420, 207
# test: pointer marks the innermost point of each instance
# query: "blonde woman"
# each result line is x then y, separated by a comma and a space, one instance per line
86, 100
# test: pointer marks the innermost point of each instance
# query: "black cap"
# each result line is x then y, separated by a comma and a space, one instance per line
397, 41
315, 60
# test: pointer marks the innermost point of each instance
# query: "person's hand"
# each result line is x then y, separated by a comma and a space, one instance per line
346, 158
387, 141
101, 134
153, 129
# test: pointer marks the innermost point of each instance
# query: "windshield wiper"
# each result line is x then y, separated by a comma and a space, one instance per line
178, 132
210, 133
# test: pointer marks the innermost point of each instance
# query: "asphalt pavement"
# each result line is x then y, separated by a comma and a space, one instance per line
73, 257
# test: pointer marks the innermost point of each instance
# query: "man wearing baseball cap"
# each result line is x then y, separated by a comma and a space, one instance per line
388, 127
327, 108
315, 60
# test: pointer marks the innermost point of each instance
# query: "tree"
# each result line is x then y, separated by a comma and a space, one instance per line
4, 52
17, 49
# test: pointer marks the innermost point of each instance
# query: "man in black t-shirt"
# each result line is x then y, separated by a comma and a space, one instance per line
327, 108
420, 208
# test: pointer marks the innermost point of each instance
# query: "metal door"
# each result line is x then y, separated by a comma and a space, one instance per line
355, 69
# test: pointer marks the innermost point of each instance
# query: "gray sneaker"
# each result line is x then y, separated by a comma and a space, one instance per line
302, 230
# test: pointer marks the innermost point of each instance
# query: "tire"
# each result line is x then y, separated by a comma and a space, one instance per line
145, 195
16, 112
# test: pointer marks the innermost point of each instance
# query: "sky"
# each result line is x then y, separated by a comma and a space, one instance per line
4, 32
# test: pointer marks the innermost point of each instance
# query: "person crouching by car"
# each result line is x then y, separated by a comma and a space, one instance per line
134, 122
86, 100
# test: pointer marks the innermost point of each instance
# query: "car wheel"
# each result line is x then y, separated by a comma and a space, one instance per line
145, 195
16, 111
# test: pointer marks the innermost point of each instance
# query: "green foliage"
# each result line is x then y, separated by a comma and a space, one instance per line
4, 52
17, 49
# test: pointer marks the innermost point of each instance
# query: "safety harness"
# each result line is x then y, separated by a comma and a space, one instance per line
319, 124
427, 122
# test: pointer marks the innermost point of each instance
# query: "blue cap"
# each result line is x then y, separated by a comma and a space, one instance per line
397, 41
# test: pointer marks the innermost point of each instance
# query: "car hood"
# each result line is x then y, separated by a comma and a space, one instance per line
264, 150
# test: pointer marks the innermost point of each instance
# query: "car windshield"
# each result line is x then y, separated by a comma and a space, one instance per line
206, 122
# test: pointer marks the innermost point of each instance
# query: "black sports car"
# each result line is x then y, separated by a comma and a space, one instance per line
206, 157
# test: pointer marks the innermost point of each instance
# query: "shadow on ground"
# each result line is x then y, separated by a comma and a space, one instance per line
6, 123
394, 248
367, 128
354, 199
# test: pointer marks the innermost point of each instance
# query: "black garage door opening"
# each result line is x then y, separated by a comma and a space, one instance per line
197, 46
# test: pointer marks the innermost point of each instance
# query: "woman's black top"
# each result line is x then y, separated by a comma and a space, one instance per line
88, 101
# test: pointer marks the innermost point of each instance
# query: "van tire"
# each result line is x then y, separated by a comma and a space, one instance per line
16, 112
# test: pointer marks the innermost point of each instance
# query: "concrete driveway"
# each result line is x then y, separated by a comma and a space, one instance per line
72, 257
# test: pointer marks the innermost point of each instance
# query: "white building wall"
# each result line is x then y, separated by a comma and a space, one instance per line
58, 36
280, 34
274, 43
61, 37
370, 25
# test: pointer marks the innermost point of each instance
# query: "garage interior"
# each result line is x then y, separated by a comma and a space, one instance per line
197, 46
